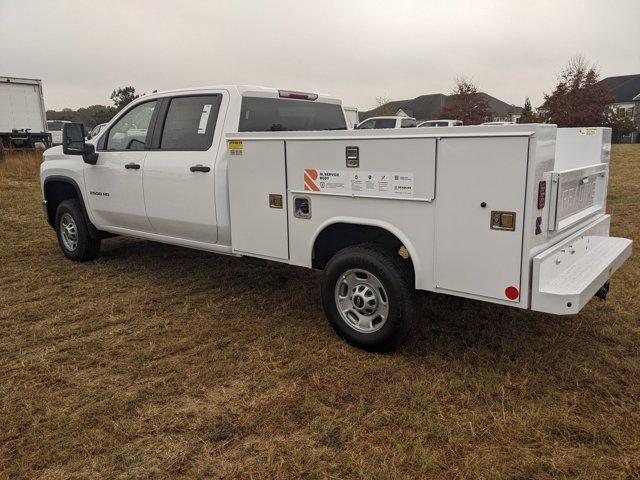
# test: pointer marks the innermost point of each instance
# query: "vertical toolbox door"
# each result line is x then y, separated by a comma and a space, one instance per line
258, 199
471, 256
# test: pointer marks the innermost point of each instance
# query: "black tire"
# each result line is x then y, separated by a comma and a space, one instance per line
87, 246
393, 273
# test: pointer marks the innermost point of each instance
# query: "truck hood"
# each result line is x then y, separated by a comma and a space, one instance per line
54, 153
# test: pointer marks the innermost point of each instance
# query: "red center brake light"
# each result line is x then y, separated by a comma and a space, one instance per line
297, 95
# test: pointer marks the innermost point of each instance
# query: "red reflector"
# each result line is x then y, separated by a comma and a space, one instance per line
511, 293
542, 194
297, 95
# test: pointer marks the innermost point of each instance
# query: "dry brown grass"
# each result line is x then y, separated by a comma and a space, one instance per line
162, 362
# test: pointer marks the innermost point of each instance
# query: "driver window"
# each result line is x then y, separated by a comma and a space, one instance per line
130, 132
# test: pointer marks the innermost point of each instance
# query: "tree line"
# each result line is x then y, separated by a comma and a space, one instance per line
96, 114
577, 100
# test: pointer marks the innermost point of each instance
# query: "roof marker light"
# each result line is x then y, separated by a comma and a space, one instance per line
297, 95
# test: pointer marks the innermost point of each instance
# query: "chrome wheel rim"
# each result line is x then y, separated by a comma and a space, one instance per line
361, 300
69, 232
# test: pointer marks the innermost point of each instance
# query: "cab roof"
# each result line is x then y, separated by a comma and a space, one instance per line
247, 91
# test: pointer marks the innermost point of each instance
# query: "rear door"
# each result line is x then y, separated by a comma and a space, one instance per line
179, 171
480, 196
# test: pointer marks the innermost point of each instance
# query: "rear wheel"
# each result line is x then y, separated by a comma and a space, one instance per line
73, 232
368, 297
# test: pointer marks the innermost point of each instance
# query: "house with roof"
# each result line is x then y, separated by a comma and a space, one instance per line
626, 93
428, 107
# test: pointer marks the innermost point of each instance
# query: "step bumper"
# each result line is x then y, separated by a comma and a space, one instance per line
567, 276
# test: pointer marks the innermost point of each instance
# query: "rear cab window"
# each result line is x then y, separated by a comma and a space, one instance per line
265, 114
54, 126
408, 123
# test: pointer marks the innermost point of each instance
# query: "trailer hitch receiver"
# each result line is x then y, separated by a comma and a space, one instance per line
602, 293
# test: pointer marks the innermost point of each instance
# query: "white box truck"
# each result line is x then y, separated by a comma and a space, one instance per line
23, 120
492, 213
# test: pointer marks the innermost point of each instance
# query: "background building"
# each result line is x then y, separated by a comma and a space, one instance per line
626, 93
428, 107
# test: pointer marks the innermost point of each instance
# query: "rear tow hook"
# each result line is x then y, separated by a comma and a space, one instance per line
602, 293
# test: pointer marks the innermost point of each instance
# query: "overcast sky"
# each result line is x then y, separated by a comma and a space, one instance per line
357, 50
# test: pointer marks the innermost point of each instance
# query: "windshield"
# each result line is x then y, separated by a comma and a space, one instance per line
276, 114
54, 126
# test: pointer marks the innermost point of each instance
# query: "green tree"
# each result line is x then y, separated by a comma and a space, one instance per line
88, 116
123, 96
620, 123
528, 115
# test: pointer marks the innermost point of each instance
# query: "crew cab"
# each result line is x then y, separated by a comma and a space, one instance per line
513, 215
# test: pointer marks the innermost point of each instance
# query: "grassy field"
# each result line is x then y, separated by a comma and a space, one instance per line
160, 362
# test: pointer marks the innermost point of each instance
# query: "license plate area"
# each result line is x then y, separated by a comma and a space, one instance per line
576, 194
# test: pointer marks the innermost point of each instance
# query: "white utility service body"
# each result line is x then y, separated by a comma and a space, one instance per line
440, 218
512, 214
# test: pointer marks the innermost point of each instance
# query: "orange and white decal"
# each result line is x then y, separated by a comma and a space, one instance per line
310, 177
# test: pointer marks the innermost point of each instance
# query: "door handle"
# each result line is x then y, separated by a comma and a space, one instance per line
132, 166
199, 168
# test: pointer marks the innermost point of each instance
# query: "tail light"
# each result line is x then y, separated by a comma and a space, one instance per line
297, 95
542, 194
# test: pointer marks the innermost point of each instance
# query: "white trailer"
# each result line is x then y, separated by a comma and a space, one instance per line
512, 215
23, 121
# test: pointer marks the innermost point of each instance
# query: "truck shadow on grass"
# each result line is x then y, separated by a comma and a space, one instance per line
448, 329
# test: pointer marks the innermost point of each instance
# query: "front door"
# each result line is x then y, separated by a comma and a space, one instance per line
114, 183
478, 251
179, 171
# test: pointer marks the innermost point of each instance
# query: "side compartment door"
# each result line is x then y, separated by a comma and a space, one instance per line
258, 198
114, 183
480, 197
179, 172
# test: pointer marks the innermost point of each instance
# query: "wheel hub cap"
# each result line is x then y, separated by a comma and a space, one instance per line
69, 232
361, 300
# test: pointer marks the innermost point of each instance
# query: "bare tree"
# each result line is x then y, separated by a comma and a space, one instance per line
466, 103
383, 107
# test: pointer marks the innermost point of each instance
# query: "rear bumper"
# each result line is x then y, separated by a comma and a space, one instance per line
567, 275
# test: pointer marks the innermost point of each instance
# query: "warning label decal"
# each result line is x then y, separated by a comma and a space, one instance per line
235, 147
387, 184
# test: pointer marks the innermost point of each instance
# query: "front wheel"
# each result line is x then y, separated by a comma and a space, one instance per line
73, 232
368, 297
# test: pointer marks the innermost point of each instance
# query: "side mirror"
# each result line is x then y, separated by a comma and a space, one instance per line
73, 138
73, 143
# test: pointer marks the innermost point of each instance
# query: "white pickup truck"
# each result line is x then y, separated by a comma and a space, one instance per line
513, 215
